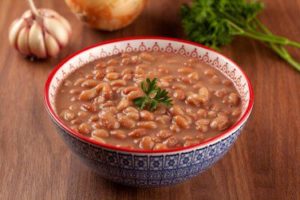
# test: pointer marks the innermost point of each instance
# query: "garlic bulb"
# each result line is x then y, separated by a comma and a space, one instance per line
39, 33
107, 14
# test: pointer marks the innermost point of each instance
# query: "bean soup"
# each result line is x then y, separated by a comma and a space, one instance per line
98, 100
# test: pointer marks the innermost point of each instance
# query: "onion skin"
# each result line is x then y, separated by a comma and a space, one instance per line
108, 15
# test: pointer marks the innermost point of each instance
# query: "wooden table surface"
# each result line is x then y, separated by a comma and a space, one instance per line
264, 163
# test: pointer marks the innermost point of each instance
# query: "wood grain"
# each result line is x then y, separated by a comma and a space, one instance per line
263, 164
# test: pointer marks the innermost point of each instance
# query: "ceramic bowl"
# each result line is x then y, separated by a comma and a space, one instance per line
140, 167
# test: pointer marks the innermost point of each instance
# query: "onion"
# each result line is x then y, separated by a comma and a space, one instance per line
107, 14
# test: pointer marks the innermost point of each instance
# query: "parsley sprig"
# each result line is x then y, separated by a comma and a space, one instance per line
216, 22
154, 95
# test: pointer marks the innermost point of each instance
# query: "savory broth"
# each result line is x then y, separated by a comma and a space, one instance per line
97, 100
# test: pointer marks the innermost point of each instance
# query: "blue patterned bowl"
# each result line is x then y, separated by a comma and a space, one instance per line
149, 168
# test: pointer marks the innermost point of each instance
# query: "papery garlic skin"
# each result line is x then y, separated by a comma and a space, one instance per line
40, 36
107, 15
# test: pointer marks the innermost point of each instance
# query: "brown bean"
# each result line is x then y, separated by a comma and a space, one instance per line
137, 133
93, 118
179, 94
127, 77
176, 110
204, 95
100, 65
129, 89
110, 69
75, 91
220, 123
125, 61
135, 94
209, 72
135, 59
146, 115
126, 121
67, 115
86, 95
82, 114
108, 120
212, 114
233, 99
89, 83
164, 134
127, 71
132, 113
215, 79
202, 113
84, 128
76, 121
100, 133
236, 112
146, 143
227, 82
88, 107
147, 124
118, 83
112, 76
163, 119
78, 81
181, 121
124, 103
202, 125
194, 76
193, 99
112, 62
99, 74
172, 142
119, 134
107, 91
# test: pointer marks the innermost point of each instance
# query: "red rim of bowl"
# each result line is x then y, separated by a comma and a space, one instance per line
212, 140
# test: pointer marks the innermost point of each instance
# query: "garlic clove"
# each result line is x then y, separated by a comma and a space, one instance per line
36, 41
22, 42
14, 31
64, 22
57, 30
51, 45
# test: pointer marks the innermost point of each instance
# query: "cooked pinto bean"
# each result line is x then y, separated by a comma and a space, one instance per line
119, 134
137, 133
84, 128
102, 133
67, 115
221, 123
146, 143
146, 115
147, 124
179, 94
127, 122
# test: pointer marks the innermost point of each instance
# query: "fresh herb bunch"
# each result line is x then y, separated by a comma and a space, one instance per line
216, 22
154, 95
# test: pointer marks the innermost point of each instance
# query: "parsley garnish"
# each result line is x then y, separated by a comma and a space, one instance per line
216, 22
154, 95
